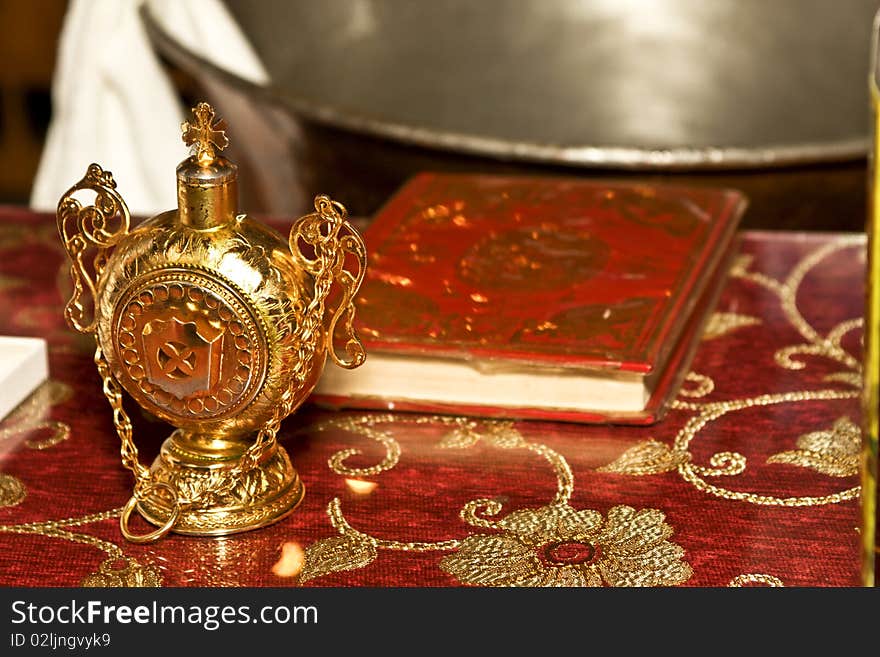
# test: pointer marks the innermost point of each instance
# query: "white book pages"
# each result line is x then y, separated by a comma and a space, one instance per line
464, 383
24, 365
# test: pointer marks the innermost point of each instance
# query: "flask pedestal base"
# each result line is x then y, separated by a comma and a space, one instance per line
266, 494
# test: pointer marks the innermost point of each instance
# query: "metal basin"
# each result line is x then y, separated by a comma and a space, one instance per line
607, 85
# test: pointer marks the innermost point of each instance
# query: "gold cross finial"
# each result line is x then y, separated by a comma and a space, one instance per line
205, 134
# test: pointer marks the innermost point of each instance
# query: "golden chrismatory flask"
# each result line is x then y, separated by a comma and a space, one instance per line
214, 323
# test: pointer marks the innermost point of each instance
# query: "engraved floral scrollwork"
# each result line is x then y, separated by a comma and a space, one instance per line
100, 225
203, 489
333, 241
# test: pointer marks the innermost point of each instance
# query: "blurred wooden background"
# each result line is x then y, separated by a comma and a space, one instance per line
29, 32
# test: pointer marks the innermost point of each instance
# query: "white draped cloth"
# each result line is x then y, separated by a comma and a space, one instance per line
113, 103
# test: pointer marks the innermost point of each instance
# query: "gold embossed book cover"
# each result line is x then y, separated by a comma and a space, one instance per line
536, 297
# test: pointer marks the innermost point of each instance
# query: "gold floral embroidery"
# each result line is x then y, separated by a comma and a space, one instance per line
30, 416
347, 552
497, 433
558, 545
146, 575
828, 346
353, 549
650, 457
834, 452
341, 525
504, 436
12, 491
364, 425
704, 385
646, 458
741, 264
729, 463
853, 379
461, 437
815, 344
755, 578
720, 324
118, 572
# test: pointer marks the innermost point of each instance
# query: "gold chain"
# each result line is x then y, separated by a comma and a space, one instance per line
113, 393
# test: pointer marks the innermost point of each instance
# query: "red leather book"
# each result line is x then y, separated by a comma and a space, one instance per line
535, 297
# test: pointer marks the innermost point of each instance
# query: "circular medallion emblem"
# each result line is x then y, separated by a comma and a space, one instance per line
187, 345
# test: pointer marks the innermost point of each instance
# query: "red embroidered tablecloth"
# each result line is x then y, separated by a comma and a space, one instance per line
751, 479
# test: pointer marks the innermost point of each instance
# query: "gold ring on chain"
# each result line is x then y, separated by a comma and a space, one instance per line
161, 531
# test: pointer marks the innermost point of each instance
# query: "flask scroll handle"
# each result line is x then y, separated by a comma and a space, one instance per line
97, 228
324, 243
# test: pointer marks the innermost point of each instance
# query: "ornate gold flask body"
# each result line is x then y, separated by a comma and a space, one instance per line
214, 323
